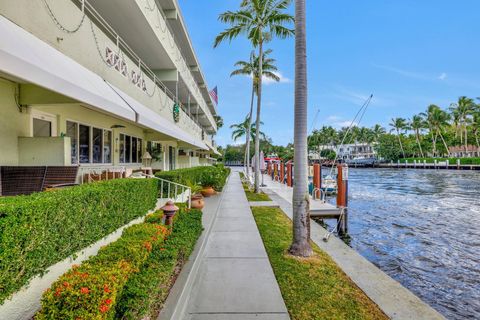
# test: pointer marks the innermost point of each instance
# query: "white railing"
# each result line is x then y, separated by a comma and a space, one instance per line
92, 174
172, 190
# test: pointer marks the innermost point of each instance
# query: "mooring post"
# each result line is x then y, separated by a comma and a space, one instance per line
289, 174
342, 197
269, 168
458, 164
282, 173
317, 179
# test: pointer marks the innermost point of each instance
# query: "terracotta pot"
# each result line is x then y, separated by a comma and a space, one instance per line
197, 201
208, 191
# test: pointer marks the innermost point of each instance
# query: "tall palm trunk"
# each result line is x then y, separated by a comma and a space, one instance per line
444, 143
259, 105
301, 219
417, 135
400, 141
247, 142
466, 137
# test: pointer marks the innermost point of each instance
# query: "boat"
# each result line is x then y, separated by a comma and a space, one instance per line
329, 185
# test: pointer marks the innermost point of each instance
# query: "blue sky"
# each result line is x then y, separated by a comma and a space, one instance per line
408, 53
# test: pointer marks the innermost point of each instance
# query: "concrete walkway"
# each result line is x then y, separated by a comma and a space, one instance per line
235, 279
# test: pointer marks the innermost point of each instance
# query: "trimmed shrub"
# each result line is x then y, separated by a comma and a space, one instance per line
146, 291
209, 176
129, 278
41, 229
91, 290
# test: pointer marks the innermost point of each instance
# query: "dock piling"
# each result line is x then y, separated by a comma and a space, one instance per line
282, 173
289, 174
342, 197
317, 180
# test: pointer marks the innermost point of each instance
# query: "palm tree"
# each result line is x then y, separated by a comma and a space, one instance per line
475, 125
301, 219
377, 131
461, 111
399, 124
242, 130
417, 124
260, 21
250, 68
437, 120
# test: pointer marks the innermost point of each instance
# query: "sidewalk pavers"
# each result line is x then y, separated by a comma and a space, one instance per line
235, 279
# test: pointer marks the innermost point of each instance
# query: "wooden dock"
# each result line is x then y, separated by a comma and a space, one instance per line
318, 208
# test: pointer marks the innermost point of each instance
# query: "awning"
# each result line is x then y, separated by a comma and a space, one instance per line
152, 120
24, 56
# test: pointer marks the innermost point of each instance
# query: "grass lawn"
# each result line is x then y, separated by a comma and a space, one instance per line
313, 288
252, 196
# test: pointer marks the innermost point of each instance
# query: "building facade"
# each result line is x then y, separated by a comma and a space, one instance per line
348, 152
98, 83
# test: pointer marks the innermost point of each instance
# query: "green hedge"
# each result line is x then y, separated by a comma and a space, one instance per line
41, 229
209, 176
93, 289
146, 292
128, 279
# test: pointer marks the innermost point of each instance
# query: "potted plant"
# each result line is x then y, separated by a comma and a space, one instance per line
196, 196
208, 182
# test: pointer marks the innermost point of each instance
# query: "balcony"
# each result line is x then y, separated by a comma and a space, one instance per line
81, 34
150, 33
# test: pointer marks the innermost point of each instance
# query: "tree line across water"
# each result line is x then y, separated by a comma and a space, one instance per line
427, 134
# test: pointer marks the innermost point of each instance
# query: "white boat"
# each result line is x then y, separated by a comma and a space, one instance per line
329, 184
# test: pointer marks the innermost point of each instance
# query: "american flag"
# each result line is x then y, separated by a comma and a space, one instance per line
214, 95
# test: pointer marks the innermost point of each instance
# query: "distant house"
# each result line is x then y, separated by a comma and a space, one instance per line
347, 152
461, 152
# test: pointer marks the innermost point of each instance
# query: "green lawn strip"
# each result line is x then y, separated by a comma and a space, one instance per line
313, 288
145, 293
252, 196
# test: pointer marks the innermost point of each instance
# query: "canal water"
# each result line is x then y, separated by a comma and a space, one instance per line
421, 227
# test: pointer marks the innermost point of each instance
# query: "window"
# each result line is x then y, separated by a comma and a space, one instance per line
72, 132
107, 146
130, 149
42, 128
97, 141
89, 144
84, 142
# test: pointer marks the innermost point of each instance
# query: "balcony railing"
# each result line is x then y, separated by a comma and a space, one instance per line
182, 65
124, 49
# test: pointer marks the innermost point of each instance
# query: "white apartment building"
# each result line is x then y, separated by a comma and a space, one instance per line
96, 83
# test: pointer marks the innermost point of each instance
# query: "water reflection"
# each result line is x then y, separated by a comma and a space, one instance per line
422, 227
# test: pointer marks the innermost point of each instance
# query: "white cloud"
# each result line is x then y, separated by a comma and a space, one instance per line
402, 72
443, 76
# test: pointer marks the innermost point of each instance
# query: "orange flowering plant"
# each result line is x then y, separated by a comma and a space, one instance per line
91, 290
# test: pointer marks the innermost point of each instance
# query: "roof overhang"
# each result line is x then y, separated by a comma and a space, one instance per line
25, 57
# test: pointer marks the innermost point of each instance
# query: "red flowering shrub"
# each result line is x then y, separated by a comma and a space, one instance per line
90, 291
